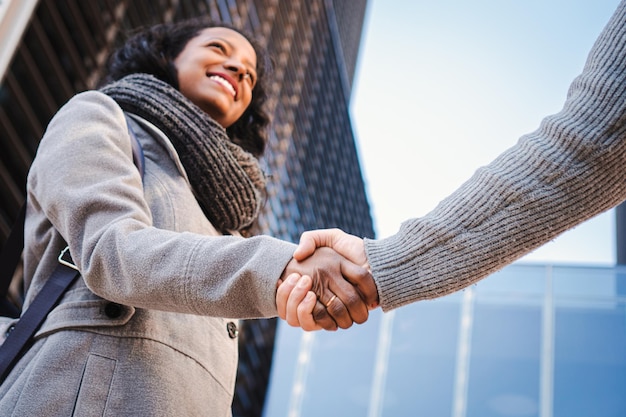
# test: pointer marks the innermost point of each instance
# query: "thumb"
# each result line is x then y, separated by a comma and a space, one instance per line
305, 248
311, 240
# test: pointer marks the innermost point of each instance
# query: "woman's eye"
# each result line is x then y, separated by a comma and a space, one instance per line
250, 77
218, 45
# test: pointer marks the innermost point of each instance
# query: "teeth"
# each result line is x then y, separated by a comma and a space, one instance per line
224, 83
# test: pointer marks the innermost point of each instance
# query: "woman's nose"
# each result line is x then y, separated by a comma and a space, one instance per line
236, 67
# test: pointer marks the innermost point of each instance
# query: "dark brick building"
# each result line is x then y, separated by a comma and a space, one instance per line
316, 180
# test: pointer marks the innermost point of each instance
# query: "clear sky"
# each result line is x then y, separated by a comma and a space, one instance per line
444, 86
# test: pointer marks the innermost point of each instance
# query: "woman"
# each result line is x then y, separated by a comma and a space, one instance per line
570, 169
147, 328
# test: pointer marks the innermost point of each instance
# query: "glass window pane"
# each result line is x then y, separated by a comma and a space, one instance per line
420, 376
333, 374
504, 370
590, 360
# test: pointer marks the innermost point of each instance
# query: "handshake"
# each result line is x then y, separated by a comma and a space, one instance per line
328, 283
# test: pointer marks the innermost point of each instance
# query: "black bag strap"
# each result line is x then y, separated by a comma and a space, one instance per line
20, 335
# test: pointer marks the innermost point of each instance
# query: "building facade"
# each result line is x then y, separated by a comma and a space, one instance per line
532, 340
54, 49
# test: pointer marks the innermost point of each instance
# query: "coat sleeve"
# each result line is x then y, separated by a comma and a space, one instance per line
567, 171
84, 181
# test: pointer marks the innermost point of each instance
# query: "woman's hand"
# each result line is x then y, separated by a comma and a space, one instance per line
295, 302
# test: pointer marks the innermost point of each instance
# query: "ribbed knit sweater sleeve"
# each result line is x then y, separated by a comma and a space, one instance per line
570, 169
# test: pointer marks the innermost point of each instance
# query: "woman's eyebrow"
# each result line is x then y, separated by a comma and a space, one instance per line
230, 44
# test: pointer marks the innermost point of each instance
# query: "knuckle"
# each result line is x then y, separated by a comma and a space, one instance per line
302, 310
352, 300
336, 309
319, 313
317, 286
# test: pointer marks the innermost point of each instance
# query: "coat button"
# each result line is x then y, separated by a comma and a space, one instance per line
113, 310
232, 330
9, 330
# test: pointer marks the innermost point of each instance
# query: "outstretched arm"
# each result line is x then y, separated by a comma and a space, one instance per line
567, 171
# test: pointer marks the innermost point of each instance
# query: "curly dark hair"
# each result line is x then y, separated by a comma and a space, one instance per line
153, 51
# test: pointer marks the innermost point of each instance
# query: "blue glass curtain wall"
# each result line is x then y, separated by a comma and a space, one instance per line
530, 340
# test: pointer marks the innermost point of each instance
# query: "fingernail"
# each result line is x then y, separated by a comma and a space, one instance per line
293, 278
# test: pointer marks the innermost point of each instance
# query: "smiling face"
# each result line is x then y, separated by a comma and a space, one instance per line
217, 72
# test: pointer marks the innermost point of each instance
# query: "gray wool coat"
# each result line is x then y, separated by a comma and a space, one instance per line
147, 330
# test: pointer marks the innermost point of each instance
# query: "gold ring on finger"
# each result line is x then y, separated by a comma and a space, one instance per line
331, 300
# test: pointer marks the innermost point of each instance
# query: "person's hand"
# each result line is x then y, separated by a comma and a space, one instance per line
296, 302
349, 246
343, 291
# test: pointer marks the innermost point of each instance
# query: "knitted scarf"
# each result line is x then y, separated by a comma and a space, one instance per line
226, 180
